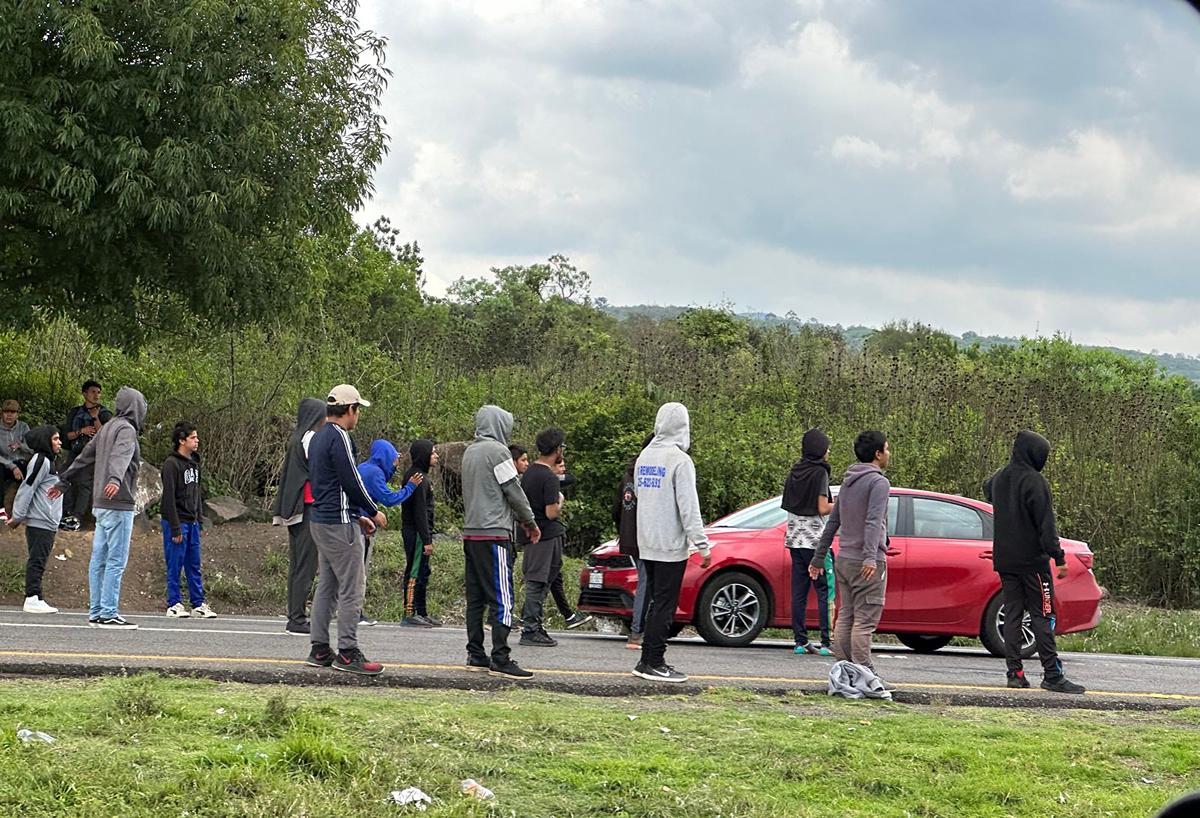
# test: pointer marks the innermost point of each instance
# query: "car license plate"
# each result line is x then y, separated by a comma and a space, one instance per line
596, 579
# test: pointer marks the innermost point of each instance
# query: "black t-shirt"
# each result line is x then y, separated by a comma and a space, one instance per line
541, 486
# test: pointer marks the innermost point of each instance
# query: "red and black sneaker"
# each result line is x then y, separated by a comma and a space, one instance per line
1016, 678
352, 660
320, 656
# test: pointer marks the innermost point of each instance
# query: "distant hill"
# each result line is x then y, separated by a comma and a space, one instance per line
1186, 365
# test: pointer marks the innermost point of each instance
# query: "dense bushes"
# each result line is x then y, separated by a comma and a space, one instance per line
1123, 468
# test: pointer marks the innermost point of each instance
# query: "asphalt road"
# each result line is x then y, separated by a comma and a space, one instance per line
256, 649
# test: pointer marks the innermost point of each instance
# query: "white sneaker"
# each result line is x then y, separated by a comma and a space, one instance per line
177, 611
204, 612
35, 604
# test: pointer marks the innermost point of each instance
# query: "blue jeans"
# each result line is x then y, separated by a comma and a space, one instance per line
183, 556
110, 552
638, 623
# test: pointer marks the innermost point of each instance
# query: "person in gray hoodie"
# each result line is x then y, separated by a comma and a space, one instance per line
113, 457
14, 454
668, 527
492, 499
34, 507
860, 518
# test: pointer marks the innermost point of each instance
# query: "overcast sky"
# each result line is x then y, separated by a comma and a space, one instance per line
1010, 168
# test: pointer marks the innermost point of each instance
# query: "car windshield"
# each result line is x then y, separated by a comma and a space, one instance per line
766, 514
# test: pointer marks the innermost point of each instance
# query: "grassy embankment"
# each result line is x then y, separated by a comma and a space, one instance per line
146, 746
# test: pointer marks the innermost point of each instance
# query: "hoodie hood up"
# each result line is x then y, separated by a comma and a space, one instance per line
310, 413
1030, 450
673, 426
131, 405
493, 423
38, 440
421, 452
383, 457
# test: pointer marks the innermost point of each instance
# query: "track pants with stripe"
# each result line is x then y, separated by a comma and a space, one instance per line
416, 573
1031, 593
489, 584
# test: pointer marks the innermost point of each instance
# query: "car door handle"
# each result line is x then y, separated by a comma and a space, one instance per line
893, 552
985, 555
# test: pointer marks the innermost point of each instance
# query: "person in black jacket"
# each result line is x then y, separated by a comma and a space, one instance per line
181, 513
625, 517
1025, 541
417, 523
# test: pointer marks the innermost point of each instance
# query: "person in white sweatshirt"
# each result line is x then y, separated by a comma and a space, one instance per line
40, 513
668, 526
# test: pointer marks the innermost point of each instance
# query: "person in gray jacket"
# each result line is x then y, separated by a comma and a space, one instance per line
668, 526
40, 514
492, 498
14, 454
114, 457
860, 517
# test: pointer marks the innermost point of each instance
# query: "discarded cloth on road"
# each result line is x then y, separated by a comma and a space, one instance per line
853, 681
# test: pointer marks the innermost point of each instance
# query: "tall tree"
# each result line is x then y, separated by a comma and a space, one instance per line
166, 157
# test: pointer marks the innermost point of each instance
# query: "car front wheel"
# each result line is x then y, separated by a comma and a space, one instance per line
732, 610
992, 632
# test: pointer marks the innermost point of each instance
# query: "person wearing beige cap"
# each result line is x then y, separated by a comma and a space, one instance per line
14, 454
342, 513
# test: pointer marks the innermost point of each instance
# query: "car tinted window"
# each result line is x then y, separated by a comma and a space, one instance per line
937, 518
766, 514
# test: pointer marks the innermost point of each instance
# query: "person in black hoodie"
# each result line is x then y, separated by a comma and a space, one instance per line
181, 512
416, 520
625, 516
808, 501
293, 509
1025, 541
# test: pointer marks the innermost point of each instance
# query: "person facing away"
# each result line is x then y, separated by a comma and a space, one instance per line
492, 501
625, 518
417, 527
1024, 543
859, 520
83, 423
182, 510
342, 513
376, 472
111, 460
34, 507
293, 509
808, 502
668, 526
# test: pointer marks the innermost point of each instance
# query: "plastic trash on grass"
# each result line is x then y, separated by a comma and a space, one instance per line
474, 788
411, 796
35, 735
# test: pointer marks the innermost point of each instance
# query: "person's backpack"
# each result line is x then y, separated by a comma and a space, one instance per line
627, 518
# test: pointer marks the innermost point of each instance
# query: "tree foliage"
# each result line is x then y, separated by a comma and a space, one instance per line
170, 157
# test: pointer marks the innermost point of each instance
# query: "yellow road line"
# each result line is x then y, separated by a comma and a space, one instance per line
554, 672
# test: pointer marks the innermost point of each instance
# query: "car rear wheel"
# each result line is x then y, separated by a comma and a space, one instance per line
992, 632
923, 643
732, 610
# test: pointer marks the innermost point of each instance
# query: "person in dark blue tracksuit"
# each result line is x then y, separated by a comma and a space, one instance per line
376, 473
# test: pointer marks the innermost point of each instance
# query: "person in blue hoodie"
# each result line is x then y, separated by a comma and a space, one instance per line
378, 470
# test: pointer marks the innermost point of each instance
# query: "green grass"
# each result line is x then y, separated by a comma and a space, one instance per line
151, 747
1135, 629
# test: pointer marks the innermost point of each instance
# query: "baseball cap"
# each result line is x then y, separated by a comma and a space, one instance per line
345, 395
10, 405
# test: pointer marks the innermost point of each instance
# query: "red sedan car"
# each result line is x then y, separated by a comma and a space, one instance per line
940, 578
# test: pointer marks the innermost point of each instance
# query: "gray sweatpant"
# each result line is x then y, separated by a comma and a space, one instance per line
341, 582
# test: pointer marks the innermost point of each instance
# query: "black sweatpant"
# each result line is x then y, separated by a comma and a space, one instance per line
489, 587
40, 543
560, 595
1031, 593
665, 579
302, 569
416, 573
77, 499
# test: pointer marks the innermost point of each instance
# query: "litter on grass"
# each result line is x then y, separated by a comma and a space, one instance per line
410, 796
473, 787
60, 557
35, 735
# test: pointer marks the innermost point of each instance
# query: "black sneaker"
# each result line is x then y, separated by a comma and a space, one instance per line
363, 619
431, 621
510, 670
93, 623
352, 660
1062, 685
320, 656
116, 623
538, 639
1017, 679
414, 622
662, 673
69, 523
478, 665
576, 619
303, 629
